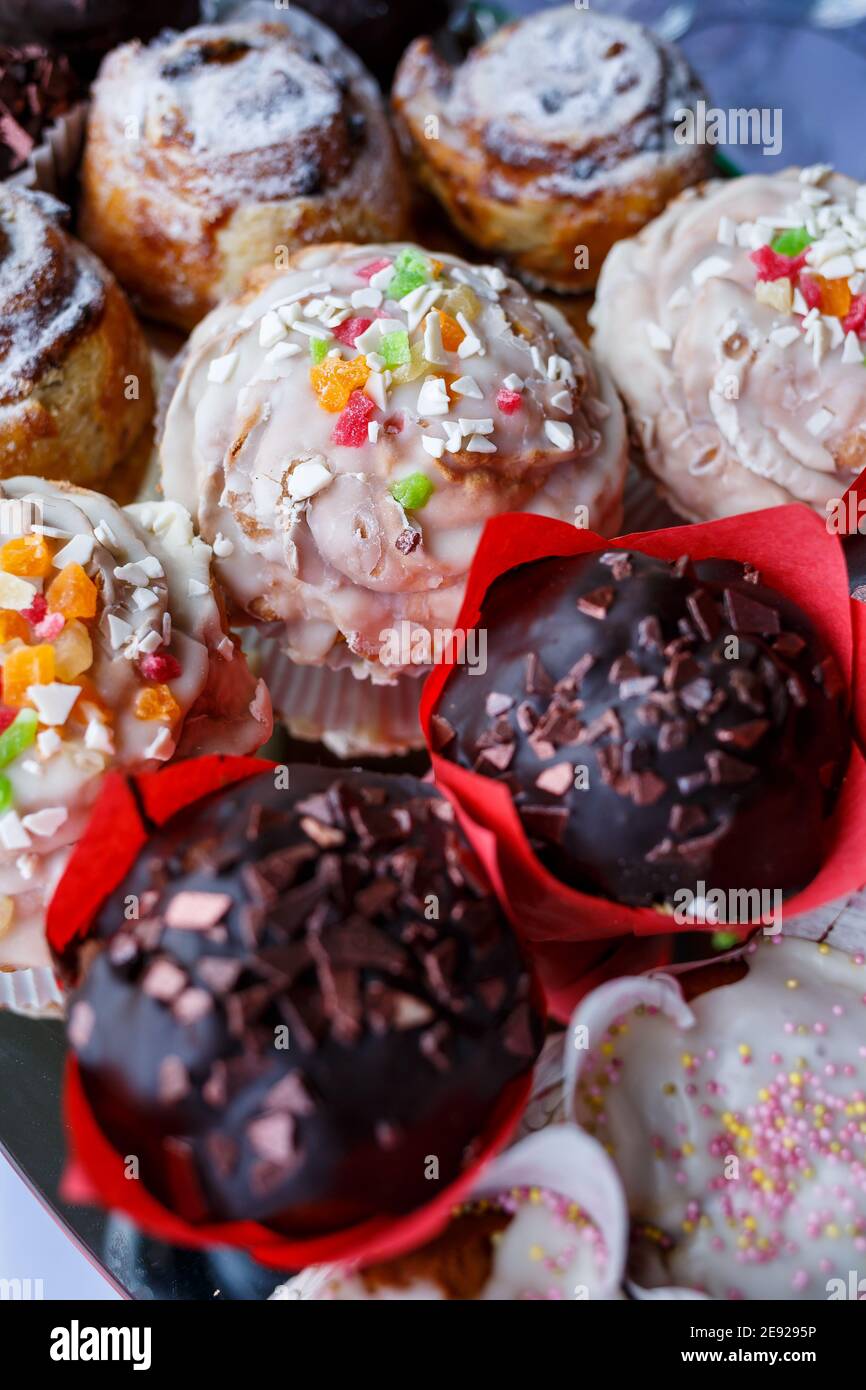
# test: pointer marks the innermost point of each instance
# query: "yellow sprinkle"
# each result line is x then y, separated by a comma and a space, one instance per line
793, 984
824, 949
688, 1150
536, 1252
795, 1078
832, 1231
744, 1050
669, 1089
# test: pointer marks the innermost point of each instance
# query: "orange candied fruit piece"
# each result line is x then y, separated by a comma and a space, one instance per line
156, 702
28, 556
452, 333
835, 296
13, 625
334, 380
90, 703
24, 667
72, 593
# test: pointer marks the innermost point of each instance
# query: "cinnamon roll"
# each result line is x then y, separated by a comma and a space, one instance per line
114, 654
222, 148
735, 328
343, 430
554, 139
75, 390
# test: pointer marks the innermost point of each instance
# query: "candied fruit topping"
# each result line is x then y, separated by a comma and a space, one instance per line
318, 349
6, 794
771, 266
791, 242
334, 380
835, 300
351, 329
26, 666
366, 272
508, 401
50, 627
351, 428
855, 319
28, 556
411, 271
157, 702
395, 348
462, 300
72, 593
415, 367
413, 492
452, 333
73, 651
37, 610
19, 736
159, 666
13, 625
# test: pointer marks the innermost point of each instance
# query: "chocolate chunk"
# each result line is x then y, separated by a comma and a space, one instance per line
746, 614
725, 770
597, 603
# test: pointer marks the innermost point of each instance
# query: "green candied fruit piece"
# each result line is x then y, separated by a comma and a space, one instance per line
395, 348
724, 940
19, 735
318, 350
791, 242
413, 492
5, 794
411, 270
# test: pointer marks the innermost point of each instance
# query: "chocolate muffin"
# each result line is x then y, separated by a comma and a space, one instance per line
316, 1011
676, 726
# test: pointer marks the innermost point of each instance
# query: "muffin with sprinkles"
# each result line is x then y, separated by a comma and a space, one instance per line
733, 1103
735, 327
318, 1012
114, 653
344, 428
676, 727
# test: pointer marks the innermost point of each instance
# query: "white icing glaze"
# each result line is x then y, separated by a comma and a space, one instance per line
724, 405
737, 1121
326, 571
219, 707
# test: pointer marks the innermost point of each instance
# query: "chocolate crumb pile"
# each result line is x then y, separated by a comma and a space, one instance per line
36, 86
319, 995
646, 751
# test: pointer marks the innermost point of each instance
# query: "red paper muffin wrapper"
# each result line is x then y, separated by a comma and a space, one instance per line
126, 813
795, 553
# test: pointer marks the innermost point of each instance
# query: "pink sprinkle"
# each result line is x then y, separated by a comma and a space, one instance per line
508, 401
350, 330
368, 271
37, 610
50, 626
159, 666
800, 1280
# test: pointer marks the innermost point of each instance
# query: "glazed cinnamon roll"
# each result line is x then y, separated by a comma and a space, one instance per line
220, 149
735, 328
76, 399
553, 140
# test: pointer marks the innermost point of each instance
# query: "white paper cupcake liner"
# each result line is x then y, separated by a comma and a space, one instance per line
33, 993
54, 162
353, 718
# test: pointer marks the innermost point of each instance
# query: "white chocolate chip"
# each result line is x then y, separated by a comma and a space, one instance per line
221, 368
46, 822
53, 702
467, 386
560, 434
271, 330
434, 447
12, 832
79, 551
433, 397
308, 478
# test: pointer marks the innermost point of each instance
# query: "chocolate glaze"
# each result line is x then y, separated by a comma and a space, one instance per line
700, 766
402, 1029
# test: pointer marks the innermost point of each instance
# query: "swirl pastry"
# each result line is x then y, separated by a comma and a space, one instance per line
344, 428
114, 653
735, 1119
75, 391
216, 150
734, 326
552, 140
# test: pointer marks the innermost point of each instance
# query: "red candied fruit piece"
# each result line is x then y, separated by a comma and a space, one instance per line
7, 716
508, 401
350, 330
351, 428
368, 271
772, 265
811, 291
855, 319
37, 610
159, 666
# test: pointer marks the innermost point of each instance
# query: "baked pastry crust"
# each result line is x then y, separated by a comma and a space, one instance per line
742, 396
225, 147
554, 135
75, 386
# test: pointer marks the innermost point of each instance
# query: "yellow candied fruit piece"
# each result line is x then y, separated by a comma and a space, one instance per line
835, 297
334, 380
452, 333
24, 667
72, 593
156, 702
13, 625
462, 300
415, 367
27, 556
73, 651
